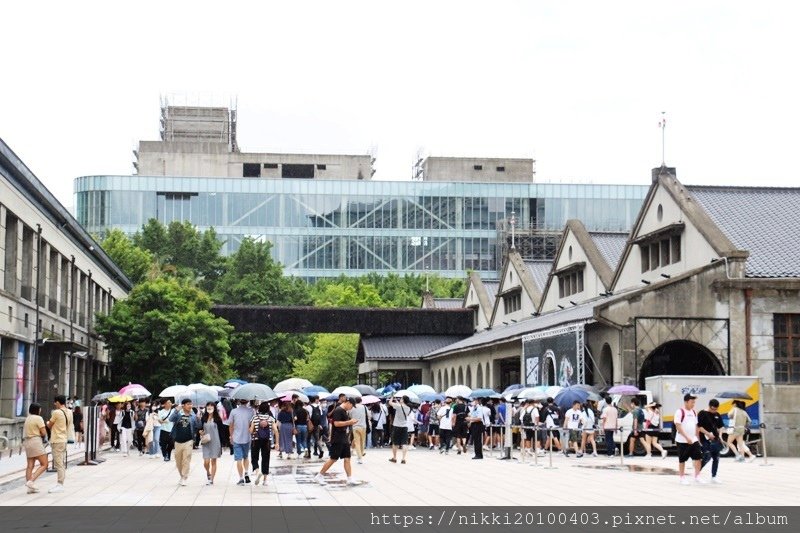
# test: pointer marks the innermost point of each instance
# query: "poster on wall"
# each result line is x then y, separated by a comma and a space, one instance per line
554, 357
19, 400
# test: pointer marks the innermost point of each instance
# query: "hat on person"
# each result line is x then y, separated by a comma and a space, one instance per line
687, 397
653, 404
352, 401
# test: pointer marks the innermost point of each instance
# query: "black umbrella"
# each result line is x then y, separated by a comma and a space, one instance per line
737, 395
366, 389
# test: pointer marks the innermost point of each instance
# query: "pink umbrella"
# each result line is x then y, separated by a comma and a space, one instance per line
135, 390
370, 399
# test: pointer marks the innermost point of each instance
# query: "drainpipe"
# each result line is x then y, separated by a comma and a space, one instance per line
748, 320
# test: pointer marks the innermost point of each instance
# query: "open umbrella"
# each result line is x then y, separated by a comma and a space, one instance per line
316, 390
233, 383
370, 399
225, 392
195, 386
292, 384
624, 389
103, 396
199, 396
173, 391
253, 391
287, 397
350, 392
120, 398
413, 398
531, 393
458, 390
553, 391
482, 393
365, 389
736, 395
216, 388
431, 396
385, 391
511, 388
135, 390
570, 395
331, 397
419, 390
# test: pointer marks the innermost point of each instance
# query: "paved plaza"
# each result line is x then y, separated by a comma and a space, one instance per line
427, 479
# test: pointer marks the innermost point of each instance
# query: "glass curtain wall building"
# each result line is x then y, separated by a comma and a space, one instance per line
327, 228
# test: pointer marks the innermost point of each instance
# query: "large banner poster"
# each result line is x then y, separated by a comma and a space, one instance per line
554, 357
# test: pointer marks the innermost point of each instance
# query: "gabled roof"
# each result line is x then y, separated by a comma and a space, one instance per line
539, 271
492, 287
486, 291
410, 347
448, 303
764, 221
526, 280
610, 246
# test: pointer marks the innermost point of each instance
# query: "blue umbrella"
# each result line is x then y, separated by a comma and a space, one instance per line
570, 395
431, 396
331, 398
482, 393
737, 395
515, 386
316, 390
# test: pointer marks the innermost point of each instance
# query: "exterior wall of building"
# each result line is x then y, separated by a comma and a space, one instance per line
477, 169
572, 253
452, 366
328, 228
473, 300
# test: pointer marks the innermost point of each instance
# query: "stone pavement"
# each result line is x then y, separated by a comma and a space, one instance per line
428, 479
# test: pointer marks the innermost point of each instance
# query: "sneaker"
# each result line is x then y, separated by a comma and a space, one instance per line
430, 447
280, 455
320, 479
258, 477
208, 482
579, 455
459, 452
58, 488
700, 481
241, 482
740, 459
246, 478
716, 480
663, 454
441, 450
359, 461
392, 460
403, 462
183, 482
648, 456
413, 448
753, 458
353, 483
685, 481
594, 454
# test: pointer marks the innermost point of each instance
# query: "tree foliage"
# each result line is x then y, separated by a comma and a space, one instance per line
331, 362
163, 333
133, 260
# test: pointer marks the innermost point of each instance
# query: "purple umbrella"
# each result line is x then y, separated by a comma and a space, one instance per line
624, 389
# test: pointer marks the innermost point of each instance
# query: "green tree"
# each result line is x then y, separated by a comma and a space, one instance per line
163, 333
134, 261
331, 362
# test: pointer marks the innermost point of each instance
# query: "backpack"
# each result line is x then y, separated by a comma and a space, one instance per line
554, 413
527, 418
316, 415
263, 432
433, 417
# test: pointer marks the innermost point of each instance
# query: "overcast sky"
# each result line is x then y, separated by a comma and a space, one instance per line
579, 86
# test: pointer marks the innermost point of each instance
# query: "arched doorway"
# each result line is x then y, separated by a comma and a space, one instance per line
680, 358
439, 381
605, 367
460, 376
452, 378
479, 377
549, 369
487, 378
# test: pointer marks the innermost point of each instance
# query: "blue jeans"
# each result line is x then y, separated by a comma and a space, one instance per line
302, 435
154, 443
711, 451
609, 438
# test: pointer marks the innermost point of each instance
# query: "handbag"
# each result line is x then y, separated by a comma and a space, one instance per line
205, 438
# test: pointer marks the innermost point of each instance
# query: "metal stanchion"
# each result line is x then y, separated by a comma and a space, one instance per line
621, 448
763, 427
491, 441
533, 446
550, 465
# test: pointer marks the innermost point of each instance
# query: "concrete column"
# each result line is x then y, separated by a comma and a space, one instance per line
459, 259
8, 384
44, 282
626, 367
3, 212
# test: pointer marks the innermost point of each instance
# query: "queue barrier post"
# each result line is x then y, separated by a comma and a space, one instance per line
533, 445
763, 427
621, 447
550, 465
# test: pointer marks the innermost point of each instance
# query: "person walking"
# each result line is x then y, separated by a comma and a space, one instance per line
152, 432
165, 439
433, 424
211, 433
59, 425
140, 421
34, 433
285, 430
685, 421
478, 419
609, 419
77, 420
637, 431
460, 427
445, 426
551, 414
264, 429
340, 441
740, 421
301, 428
113, 429
184, 427
360, 414
709, 422
652, 429
315, 427
239, 430
589, 422
400, 427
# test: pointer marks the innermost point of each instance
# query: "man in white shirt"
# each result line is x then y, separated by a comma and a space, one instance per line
478, 419
608, 418
573, 421
686, 439
445, 426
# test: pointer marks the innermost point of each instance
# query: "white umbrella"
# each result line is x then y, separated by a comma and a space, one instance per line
413, 398
196, 386
458, 390
530, 393
287, 395
292, 384
253, 391
553, 391
216, 387
422, 389
173, 391
350, 392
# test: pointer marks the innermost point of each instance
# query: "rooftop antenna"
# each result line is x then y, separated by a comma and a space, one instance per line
663, 125
512, 221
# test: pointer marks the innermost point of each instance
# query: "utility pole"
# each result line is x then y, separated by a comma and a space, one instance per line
663, 125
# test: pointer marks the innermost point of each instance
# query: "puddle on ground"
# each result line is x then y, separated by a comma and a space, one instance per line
639, 469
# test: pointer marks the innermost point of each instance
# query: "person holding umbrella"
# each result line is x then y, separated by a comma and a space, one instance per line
340, 441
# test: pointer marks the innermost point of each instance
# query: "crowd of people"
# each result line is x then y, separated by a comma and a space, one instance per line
296, 429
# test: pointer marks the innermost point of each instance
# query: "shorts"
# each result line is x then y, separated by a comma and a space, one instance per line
575, 434
686, 451
433, 430
529, 434
34, 447
241, 451
399, 436
589, 431
555, 433
339, 450
652, 433
461, 430
738, 432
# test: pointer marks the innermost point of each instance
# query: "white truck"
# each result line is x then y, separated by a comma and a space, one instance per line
669, 392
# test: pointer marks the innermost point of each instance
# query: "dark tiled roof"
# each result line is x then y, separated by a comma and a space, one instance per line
610, 246
403, 347
763, 221
539, 271
491, 290
448, 303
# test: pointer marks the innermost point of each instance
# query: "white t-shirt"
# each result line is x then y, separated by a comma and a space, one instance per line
534, 415
411, 421
445, 417
574, 418
688, 420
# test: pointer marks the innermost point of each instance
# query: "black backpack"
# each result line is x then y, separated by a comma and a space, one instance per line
316, 415
263, 432
527, 418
